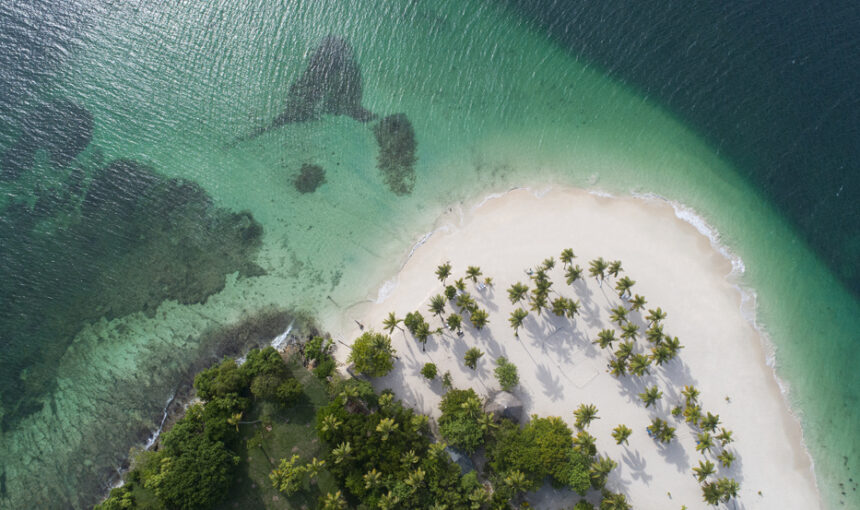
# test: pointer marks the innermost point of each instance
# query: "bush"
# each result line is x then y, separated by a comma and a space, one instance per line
506, 373
459, 421
372, 354
318, 349
325, 368
583, 505
289, 391
224, 378
429, 371
120, 498
288, 476
266, 361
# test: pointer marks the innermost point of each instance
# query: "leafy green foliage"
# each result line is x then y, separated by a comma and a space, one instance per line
459, 423
288, 476
472, 356
506, 373
318, 349
372, 354
429, 371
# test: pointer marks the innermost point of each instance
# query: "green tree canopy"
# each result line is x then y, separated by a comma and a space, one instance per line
372, 354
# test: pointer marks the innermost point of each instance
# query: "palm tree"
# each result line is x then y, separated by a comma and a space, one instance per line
314, 467
639, 364
573, 308
471, 357
667, 434
656, 426
538, 302
573, 273
655, 316
372, 479
614, 268
726, 458
415, 479
559, 306
692, 413
330, 423
691, 394
673, 344
660, 354
443, 271
391, 322
725, 437
409, 458
637, 303
624, 285
618, 315
479, 318
597, 269
389, 501
629, 331
625, 350
704, 470
455, 322
472, 273
548, 264
422, 333
711, 493
471, 407
654, 334
487, 422
234, 420
460, 284
342, 453
728, 488
465, 302
599, 471
567, 256
605, 338
450, 292
516, 319
614, 501
479, 497
516, 481
385, 427
333, 501
437, 305
584, 443
517, 292
585, 414
710, 422
618, 367
651, 396
621, 433
704, 442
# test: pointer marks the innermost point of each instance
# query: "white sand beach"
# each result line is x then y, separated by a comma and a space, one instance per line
676, 268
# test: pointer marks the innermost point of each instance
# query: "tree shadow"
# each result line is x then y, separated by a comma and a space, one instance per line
673, 453
636, 466
552, 386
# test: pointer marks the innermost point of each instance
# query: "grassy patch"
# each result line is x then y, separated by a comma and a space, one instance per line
292, 432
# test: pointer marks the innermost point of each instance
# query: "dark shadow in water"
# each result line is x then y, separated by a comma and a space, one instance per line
396, 157
62, 128
136, 239
331, 84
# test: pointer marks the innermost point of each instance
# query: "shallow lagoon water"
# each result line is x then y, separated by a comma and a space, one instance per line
494, 105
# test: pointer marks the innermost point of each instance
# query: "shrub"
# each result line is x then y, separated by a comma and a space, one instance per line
223, 378
506, 373
372, 354
288, 476
318, 349
583, 505
289, 391
459, 421
429, 371
325, 368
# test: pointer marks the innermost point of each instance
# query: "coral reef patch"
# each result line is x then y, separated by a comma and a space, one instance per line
134, 240
310, 178
396, 158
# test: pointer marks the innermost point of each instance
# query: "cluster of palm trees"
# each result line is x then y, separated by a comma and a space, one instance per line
661, 348
705, 424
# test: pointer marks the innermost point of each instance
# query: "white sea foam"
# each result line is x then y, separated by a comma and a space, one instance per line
282, 340
385, 290
151, 441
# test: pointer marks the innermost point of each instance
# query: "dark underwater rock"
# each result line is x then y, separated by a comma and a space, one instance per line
309, 179
396, 158
62, 128
331, 83
140, 239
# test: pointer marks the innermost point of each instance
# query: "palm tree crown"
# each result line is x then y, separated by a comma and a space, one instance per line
443, 271
585, 414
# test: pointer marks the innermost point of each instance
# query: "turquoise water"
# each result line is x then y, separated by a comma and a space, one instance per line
179, 89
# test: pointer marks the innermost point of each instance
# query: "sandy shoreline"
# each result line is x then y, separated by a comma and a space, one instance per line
677, 268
